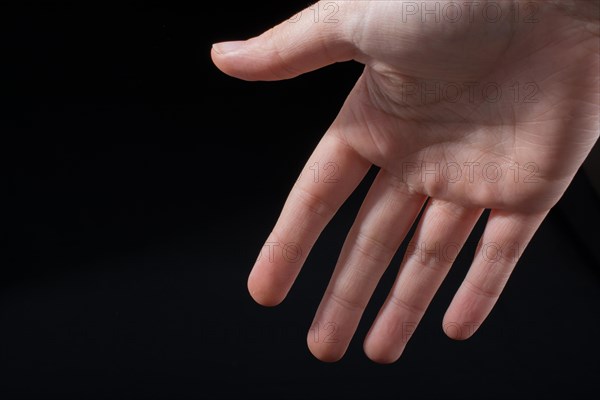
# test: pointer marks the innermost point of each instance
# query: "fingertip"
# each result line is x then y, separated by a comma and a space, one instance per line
324, 353
225, 48
261, 296
221, 58
266, 301
457, 329
241, 63
455, 335
380, 351
378, 355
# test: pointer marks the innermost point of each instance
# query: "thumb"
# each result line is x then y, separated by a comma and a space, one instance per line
316, 37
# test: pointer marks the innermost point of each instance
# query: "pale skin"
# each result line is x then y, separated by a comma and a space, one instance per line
434, 151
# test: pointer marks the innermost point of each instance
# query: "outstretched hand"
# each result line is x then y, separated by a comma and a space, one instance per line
491, 106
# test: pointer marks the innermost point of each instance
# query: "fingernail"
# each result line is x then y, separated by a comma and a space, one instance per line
228, 47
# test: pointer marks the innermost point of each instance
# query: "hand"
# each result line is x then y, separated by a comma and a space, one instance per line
473, 111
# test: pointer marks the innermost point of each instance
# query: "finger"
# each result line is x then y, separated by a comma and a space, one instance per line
442, 231
385, 217
331, 174
505, 237
293, 47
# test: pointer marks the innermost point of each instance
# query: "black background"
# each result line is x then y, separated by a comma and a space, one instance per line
140, 183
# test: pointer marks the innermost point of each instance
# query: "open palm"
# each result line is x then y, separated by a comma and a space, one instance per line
492, 107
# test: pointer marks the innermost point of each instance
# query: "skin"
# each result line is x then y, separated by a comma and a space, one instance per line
447, 156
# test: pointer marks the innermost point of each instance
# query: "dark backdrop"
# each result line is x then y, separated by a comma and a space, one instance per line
139, 184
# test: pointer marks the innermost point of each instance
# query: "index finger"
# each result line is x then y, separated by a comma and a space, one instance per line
331, 174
